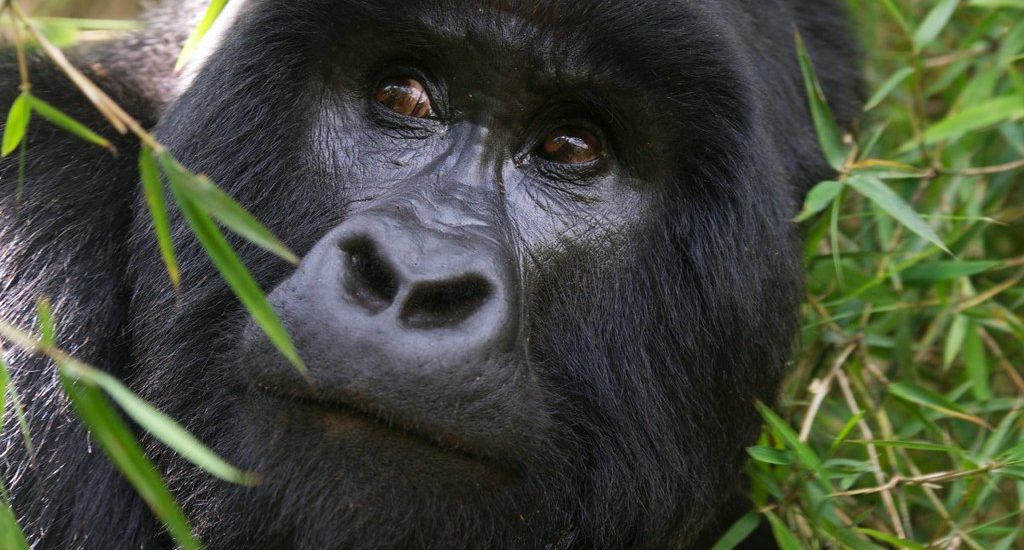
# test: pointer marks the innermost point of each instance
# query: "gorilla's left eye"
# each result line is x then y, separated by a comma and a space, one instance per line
571, 145
405, 96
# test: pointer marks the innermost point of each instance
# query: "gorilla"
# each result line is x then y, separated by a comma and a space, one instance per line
547, 268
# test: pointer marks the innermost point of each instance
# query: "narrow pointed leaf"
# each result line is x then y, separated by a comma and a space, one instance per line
738, 532
783, 536
236, 275
213, 10
934, 23
885, 198
829, 136
218, 204
167, 430
17, 122
819, 198
62, 120
920, 396
154, 191
117, 441
11, 535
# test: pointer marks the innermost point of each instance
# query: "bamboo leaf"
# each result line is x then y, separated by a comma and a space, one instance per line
934, 23
62, 120
213, 10
154, 191
166, 429
894, 205
18, 117
819, 198
738, 532
920, 396
11, 535
829, 136
218, 204
786, 539
235, 274
117, 441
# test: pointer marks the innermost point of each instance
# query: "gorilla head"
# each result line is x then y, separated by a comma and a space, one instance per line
547, 268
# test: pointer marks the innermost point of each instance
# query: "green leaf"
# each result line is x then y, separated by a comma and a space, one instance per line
895, 541
17, 122
11, 535
920, 396
47, 331
934, 23
786, 539
978, 370
770, 455
955, 340
819, 198
789, 437
165, 429
218, 204
213, 10
894, 205
846, 429
912, 445
58, 118
117, 441
946, 270
154, 191
829, 136
888, 86
738, 532
235, 274
994, 111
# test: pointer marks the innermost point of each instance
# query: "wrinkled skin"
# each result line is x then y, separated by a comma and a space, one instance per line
506, 350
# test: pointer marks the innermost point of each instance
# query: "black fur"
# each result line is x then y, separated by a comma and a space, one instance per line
649, 341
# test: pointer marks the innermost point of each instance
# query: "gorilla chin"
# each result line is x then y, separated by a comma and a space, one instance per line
547, 269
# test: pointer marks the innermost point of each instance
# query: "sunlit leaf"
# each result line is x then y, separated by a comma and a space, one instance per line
17, 122
236, 275
62, 120
117, 441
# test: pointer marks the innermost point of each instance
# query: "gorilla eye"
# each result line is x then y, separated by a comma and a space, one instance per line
405, 96
570, 145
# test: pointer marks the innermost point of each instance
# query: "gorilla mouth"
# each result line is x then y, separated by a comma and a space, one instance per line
419, 435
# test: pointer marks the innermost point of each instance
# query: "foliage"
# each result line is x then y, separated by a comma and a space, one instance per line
902, 422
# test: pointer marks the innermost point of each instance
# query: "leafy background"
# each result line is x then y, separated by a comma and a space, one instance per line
902, 423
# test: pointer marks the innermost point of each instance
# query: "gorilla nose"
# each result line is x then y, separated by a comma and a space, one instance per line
394, 296
440, 296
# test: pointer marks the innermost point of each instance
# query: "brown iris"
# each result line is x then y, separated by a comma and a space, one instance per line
405, 96
571, 145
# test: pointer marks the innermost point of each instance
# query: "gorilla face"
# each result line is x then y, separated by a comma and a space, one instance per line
546, 269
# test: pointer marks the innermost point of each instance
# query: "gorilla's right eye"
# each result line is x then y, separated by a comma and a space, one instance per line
405, 96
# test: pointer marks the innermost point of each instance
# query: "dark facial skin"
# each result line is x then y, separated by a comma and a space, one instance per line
547, 270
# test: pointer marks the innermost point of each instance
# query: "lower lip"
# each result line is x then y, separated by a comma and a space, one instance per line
348, 417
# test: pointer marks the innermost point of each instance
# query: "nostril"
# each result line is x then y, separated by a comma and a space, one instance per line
369, 279
444, 303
